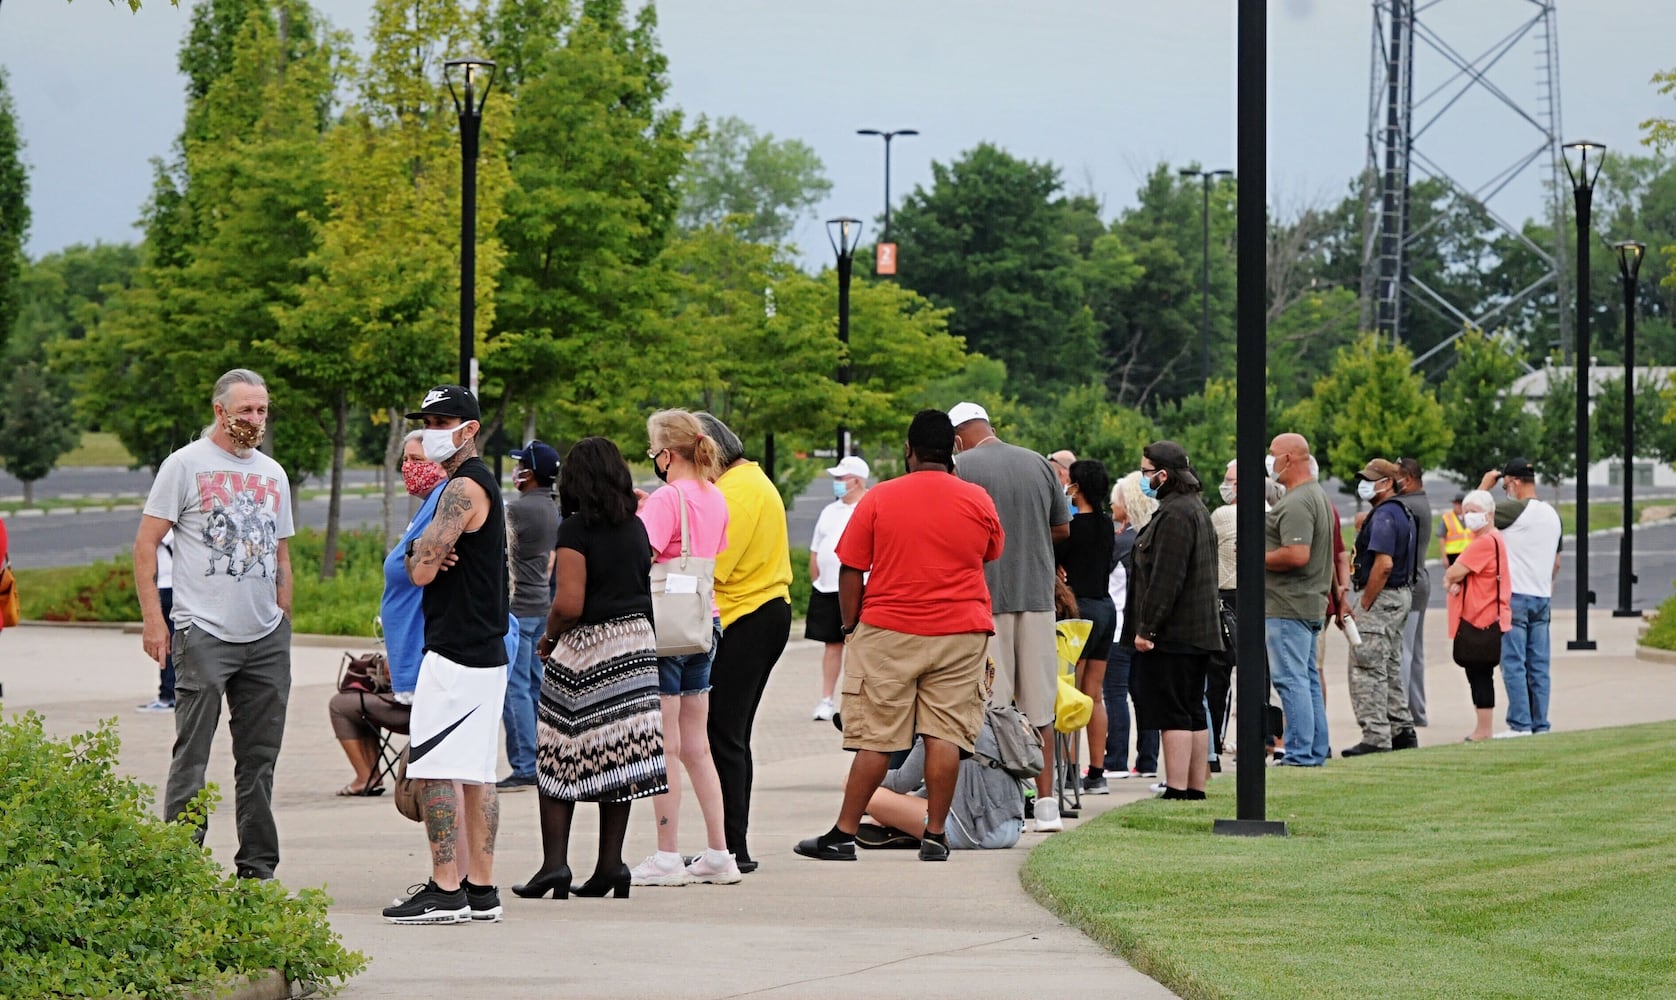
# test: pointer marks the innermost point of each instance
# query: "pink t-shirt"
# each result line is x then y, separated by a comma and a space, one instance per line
706, 519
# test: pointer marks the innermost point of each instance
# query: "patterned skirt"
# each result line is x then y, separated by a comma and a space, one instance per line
599, 728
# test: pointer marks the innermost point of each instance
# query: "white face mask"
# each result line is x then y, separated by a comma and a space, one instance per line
1365, 490
1475, 520
439, 444
1268, 465
1227, 492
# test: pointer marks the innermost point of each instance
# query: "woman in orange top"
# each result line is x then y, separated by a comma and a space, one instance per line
1480, 592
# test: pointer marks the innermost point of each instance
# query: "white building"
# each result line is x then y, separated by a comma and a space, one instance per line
1649, 472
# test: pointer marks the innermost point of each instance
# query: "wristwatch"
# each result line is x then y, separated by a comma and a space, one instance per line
849, 629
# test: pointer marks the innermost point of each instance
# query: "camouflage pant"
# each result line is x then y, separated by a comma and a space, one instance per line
1376, 688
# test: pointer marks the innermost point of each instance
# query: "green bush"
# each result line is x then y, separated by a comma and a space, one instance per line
102, 592
1662, 633
800, 583
107, 899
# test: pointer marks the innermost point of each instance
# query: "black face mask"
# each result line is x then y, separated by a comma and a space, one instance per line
662, 474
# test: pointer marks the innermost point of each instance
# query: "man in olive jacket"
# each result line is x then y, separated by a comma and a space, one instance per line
1175, 622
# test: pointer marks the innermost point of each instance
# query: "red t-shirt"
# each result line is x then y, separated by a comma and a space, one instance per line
925, 537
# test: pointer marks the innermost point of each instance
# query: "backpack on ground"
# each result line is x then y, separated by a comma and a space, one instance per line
1019, 745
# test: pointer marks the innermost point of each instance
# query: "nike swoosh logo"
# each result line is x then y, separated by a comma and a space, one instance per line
420, 750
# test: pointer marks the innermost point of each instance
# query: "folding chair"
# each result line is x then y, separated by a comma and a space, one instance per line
1071, 635
389, 754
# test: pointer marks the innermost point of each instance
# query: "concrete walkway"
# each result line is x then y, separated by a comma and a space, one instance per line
886, 926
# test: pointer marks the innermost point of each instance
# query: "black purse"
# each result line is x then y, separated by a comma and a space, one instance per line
1480, 645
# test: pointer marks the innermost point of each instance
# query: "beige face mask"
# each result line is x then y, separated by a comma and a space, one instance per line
244, 433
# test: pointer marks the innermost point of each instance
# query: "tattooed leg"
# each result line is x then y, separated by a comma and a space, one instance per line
482, 816
667, 807
441, 817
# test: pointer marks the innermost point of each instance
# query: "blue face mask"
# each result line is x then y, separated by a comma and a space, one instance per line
839, 489
1147, 489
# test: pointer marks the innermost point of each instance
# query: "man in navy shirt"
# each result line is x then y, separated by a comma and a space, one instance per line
1382, 577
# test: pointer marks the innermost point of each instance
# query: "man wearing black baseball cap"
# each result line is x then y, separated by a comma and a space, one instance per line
462, 677
1531, 530
532, 524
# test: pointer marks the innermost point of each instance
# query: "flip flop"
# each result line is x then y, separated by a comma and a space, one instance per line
350, 791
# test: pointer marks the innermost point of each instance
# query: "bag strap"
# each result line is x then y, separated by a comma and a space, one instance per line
686, 530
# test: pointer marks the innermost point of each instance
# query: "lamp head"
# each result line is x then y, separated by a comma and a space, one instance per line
845, 234
469, 80
1583, 161
1630, 253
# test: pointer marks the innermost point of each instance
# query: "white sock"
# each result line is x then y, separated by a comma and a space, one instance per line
670, 858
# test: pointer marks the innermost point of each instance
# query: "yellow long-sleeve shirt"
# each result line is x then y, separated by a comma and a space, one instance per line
755, 568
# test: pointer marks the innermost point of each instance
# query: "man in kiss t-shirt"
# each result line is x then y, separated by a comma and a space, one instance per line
918, 629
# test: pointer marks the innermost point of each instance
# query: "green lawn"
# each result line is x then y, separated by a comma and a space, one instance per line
98, 449
1542, 867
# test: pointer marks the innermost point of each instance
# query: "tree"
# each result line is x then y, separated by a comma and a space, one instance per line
1371, 405
1206, 425
987, 241
14, 210
1085, 421
1653, 436
735, 170
33, 400
1555, 448
1491, 424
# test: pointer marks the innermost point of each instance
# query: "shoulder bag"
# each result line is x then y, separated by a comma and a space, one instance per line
10, 611
1480, 645
369, 674
683, 592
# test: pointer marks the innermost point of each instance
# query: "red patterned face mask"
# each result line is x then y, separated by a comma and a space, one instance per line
422, 477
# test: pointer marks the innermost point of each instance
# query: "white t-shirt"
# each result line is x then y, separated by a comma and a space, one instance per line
828, 529
166, 561
1533, 540
230, 514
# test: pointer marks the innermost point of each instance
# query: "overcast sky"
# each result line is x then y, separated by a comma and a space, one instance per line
1106, 89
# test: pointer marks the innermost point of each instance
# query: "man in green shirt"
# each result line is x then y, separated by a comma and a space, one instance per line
1298, 570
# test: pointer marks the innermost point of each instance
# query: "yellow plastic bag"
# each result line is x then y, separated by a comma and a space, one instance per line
1071, 708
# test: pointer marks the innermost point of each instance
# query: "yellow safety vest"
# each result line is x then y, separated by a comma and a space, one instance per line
1455, 536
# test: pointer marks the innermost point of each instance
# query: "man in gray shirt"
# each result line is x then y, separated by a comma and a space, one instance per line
532, 535
1411, 493
1028, 497
230, 506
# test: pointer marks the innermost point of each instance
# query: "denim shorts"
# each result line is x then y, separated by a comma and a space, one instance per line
690, 673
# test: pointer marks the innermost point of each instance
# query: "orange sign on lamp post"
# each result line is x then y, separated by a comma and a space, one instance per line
885, 258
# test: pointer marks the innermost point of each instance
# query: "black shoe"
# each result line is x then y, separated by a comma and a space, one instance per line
746, 865
254, 875
934, 847
1405, 739
874, 837
600, 883
540, 884
820, 850
1216, 766
1095, 784
484, 901
430, 905
516, 782
1362, 748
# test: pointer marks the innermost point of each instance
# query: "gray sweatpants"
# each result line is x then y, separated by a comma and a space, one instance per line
255, 678
1414, 649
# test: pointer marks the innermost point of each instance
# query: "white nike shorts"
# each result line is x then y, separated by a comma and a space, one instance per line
454, 734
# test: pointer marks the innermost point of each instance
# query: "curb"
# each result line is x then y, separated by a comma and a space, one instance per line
1654, 655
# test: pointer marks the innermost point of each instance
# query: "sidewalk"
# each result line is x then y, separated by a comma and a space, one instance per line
886, 926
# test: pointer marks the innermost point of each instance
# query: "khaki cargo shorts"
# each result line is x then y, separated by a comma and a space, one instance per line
898, 685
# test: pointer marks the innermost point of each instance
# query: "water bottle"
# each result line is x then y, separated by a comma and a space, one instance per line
1352, 634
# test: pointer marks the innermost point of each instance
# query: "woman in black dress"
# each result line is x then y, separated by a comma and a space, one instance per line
599, 731
1085, 559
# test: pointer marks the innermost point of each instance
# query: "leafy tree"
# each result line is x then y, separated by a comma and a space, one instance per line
14, 210
36, 401
1491, 424
1653, 436
1205, 424
987, 241
1371, 404
1555, 449
736, 170
1085, 421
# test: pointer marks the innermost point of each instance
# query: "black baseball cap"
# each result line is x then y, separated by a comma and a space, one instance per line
1519, 468
541, 459
448, 401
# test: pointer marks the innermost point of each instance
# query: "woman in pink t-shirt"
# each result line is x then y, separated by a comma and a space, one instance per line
1480, 585
687, 461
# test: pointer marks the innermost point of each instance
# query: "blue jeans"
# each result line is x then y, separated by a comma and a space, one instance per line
1524, 664
1291, 646
166, 677
523, 692
1115, 690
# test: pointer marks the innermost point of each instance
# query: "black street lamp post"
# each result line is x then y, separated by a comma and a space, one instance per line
1208, 177
1629, 266
1583, 173
845, 233
884, 237
465, 77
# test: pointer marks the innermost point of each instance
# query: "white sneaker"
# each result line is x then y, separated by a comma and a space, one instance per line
825, 710
1047, 816
1158, 786
660, 869
1508, 734
714, 868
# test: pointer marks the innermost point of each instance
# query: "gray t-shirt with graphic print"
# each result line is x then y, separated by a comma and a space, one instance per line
230, 514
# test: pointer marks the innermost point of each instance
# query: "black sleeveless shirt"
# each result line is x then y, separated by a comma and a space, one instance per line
465, 606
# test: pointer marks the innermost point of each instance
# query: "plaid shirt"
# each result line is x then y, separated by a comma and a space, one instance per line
1174, 583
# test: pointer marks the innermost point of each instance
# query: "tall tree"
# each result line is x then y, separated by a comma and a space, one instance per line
736, 170
14, 209
33, 401
987, 241
1491, 424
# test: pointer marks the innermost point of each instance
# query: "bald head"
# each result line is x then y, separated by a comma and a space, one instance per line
1062, 461
1291, 459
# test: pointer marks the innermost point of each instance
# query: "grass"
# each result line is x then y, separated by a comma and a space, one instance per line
1661, 634
1528, 868
98, 448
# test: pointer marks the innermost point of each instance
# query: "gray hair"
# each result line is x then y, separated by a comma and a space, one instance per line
727, 442
1479, 500
223, 393
413, 435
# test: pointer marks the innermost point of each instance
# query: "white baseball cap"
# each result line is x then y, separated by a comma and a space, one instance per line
962, 412
852, 465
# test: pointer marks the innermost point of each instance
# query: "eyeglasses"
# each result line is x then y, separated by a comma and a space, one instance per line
655, 452
1147, 472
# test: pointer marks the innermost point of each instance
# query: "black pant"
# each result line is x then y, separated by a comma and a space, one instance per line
748, 651
1482, 680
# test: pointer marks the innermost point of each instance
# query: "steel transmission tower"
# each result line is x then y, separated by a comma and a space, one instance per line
1427, 100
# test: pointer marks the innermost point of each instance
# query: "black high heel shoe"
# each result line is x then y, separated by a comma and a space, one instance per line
557, 880
616, 883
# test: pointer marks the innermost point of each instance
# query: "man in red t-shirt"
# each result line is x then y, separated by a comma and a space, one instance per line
918, 631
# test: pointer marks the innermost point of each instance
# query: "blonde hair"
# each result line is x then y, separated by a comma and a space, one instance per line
1136, 504
681, 433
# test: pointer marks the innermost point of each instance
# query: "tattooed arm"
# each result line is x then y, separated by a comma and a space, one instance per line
282, 575
463, 507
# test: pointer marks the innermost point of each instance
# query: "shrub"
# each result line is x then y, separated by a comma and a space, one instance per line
800, 583
108, 899
1661, 634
